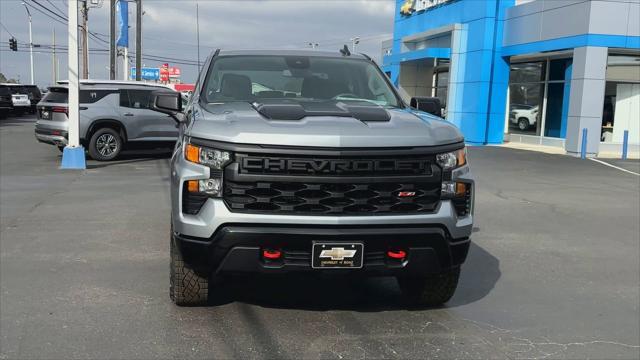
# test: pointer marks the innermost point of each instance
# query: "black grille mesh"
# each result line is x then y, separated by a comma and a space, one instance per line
331, 199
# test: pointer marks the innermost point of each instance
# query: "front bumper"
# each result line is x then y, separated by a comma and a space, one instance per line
236, 248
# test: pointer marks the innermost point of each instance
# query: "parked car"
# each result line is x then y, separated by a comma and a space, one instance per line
339, 177
6, 105
35, 95
20, 102
523, 116
113, 116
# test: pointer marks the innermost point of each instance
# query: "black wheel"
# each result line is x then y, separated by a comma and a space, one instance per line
432, 290
523, 124
187, 286
105, 144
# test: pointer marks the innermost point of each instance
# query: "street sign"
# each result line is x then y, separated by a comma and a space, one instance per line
147, 73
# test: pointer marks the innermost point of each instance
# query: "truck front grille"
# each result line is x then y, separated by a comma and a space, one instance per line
332, 198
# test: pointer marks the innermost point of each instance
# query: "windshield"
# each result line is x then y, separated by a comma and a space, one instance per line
297, 78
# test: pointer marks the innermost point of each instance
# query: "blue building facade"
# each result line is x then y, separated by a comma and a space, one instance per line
536, 71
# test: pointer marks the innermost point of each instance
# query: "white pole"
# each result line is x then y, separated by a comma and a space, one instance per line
74, 111
31, 49
53, 59
30, 42
86, 41
125, 65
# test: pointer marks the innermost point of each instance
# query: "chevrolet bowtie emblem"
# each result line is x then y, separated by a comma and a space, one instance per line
337, 253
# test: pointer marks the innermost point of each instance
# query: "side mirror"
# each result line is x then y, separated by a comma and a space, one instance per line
168, 102
429, 105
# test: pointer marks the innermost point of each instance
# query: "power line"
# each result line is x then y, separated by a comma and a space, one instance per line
54, 5
47, 15
64, 18
104, 52
7, 30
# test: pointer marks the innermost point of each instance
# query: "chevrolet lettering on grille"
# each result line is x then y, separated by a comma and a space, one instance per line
334, 166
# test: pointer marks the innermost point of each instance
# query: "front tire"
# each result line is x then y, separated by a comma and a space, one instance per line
105, 144
433, 290
523, 124
187, 287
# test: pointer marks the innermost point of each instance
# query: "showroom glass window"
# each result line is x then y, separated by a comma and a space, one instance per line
556, 109
621, 109
442, 81
526, 93
538, 97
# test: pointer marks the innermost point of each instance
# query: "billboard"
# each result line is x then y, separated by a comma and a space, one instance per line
147, 73
174, 72
164, 73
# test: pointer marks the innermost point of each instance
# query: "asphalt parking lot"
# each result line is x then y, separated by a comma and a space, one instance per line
553, 272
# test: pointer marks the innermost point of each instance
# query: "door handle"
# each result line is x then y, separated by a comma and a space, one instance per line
83, 108
128, 114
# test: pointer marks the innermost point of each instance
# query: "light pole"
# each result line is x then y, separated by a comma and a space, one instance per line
198, 33
355, 41
30, 42
138, 40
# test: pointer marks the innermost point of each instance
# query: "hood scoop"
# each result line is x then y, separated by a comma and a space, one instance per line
297, 111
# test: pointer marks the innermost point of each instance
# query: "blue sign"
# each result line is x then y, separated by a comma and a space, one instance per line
147, 73
123, 19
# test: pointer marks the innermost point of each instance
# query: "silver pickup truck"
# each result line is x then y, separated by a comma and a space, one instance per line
310, 162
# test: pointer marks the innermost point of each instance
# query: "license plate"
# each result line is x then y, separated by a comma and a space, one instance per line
337, 255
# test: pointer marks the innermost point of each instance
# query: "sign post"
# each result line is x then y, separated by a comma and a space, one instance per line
73, 154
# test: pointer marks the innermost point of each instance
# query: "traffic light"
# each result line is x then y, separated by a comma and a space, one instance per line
13, 44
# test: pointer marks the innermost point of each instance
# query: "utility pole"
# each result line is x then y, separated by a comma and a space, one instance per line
84, 32
198, 33
138, 40
112, 40
54, 70
30, 41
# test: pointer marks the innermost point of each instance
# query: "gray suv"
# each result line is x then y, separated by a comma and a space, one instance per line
310, 162
113, 115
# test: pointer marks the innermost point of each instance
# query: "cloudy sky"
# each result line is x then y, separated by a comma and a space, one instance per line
169, 30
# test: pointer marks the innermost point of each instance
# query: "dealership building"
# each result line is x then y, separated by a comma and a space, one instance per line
533, 71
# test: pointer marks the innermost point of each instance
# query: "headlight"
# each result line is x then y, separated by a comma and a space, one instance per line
452, 160
216, 159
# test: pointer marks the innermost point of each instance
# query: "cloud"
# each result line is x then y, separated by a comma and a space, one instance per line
169, 29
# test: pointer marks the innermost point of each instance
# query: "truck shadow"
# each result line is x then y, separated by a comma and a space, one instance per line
130, 157
480, 273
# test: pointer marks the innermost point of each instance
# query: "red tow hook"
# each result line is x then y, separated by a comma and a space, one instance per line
271, 254
397, 254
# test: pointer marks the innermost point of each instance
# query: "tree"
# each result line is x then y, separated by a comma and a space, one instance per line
3, 79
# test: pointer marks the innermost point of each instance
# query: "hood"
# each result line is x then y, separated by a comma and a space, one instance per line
241, 123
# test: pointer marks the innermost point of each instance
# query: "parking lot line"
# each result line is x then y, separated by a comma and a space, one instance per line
615, 167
